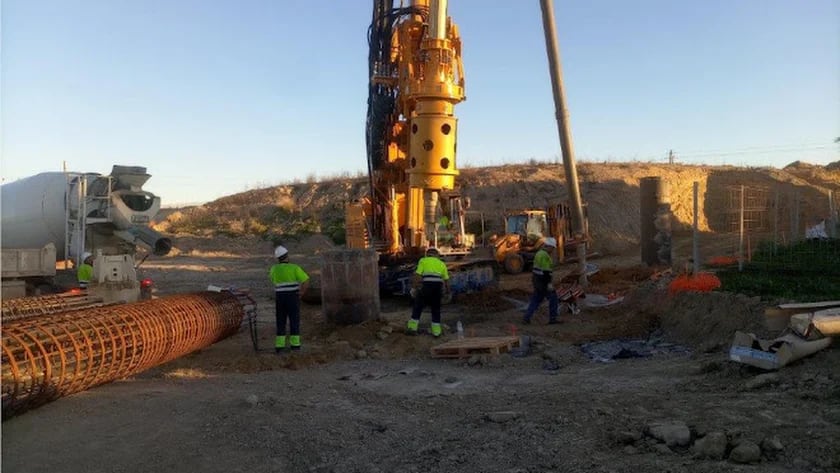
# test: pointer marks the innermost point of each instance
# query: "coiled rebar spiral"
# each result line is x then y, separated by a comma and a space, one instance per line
46, 357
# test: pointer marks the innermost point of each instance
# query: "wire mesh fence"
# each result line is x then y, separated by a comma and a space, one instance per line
781, 240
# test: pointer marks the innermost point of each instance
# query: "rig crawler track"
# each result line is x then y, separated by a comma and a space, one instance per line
46, 357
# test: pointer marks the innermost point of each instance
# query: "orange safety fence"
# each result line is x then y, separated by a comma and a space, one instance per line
700, 282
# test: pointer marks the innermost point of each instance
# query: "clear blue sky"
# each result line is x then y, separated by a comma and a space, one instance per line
215, 97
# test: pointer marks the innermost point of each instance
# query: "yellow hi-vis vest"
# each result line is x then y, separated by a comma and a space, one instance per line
287, 277
84, 275
542, 263
432, 269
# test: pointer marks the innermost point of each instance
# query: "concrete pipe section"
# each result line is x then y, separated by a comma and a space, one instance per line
50, 356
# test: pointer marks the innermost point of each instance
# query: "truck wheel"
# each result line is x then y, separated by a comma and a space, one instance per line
514, 263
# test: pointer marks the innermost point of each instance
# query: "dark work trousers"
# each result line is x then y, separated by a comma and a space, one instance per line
541, 292
287, 306
429, 295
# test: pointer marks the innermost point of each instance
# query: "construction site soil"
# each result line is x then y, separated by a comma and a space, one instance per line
367, 398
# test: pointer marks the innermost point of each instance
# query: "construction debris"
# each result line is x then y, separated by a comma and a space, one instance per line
825, 322
610, 350
474, 346
778, 318
773, 354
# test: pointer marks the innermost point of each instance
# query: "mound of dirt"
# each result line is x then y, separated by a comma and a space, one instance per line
610, 190
708, 321
219, 245
313, 245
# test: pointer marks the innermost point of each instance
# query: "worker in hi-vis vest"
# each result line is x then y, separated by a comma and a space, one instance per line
434, 276
290, 282
85, 272
543, 286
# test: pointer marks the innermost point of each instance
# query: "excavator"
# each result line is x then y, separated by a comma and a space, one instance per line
525, 231
416, 80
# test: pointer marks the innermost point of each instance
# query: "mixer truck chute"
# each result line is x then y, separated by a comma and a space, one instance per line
106, 215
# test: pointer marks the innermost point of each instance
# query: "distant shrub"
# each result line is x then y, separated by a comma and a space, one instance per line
194, 221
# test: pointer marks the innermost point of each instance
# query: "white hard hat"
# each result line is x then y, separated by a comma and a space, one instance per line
550, 241
86, 255
280, 251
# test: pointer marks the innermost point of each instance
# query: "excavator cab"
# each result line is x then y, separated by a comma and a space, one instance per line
525, 230
531, 225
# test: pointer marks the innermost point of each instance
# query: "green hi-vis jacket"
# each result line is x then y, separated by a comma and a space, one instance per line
543, 266
287, 277
432, 269
84, 274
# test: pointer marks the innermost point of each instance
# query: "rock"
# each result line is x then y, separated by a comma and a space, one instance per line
627, 437
662, 448
762, 380
712, 446
450, 379
745, 452
361, 354
474, 360
252, 400
387, 329
630, 450
381, 335
772, 445
673, 433
501, 417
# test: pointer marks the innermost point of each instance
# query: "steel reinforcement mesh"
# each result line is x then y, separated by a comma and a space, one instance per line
46, 357
23, 307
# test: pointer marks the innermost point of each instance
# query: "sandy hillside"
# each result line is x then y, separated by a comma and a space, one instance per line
611, 191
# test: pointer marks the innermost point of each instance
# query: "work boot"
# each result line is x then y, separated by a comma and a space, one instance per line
412, 326
294, 341
436, 330
279, 343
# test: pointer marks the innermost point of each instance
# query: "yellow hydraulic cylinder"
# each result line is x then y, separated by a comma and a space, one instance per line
432, 146
435, 89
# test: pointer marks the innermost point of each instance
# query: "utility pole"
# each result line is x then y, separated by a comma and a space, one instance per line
564, 130
670, 156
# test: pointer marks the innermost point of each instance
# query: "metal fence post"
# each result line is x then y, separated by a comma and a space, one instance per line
741, 233
696, 248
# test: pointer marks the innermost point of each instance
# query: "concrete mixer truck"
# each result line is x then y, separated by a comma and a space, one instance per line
59, 217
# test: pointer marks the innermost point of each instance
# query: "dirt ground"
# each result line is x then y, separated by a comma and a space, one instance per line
367, 398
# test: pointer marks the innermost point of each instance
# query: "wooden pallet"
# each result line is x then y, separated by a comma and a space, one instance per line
474, 346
